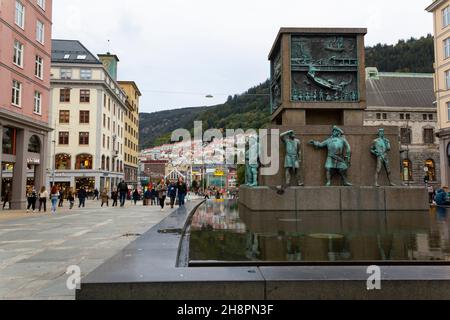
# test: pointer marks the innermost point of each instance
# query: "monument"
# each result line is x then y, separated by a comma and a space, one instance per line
317, 87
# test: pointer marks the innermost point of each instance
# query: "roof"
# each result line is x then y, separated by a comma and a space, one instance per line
401, 90
132, 83
72, 51
435, 5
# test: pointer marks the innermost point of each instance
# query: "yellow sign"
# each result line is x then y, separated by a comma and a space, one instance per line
219, 173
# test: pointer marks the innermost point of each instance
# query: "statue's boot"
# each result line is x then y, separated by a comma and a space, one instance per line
390, 182
328, 184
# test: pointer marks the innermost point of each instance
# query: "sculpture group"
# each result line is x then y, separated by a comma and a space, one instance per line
338, 157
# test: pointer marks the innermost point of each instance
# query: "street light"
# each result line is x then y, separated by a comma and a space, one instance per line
54, 162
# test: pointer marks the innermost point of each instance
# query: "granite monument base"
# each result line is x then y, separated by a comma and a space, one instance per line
334, 198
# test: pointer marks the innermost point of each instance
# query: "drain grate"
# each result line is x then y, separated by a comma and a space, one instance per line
131, 235
173, 230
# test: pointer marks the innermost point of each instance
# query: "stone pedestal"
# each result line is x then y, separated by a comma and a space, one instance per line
335, 199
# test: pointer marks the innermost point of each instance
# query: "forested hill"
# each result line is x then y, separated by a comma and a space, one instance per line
251, 109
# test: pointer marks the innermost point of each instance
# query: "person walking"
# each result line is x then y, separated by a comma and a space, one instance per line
95, 194
82, 197
153, 196
54, 196
61, 198
43, 195
31, 198
104, 196
122, 188
71, 198
7, 199
147, 196
114, 197
182, 191
172, 193
136, 196
161, 189
430, 193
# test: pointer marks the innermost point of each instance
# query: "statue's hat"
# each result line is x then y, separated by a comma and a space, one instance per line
335, 128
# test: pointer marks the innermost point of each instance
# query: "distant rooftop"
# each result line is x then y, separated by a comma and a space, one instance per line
395, 89
72, 51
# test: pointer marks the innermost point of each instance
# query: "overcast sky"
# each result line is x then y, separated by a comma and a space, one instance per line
178, 51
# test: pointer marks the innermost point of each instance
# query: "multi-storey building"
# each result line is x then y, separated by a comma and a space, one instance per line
131, 142
25, 51
88, 112
406, 100
441, 24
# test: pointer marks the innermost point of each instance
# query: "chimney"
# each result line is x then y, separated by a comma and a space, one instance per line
110, 62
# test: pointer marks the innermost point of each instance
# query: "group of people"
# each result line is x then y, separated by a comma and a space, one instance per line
55, 196
157, 194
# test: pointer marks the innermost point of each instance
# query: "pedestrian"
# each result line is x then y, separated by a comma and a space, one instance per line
114, 197
147, 197
95, 194
7, 199
182, 191
161, 189
104, 196
123, 191
82, 197
430, 193
31, 198
43, 195
71, 198
153, 196
136, 196
54, 195
61, 198
172, 193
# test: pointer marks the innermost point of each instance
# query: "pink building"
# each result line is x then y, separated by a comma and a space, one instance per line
25, 53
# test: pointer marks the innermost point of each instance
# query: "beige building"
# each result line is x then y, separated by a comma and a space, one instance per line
441, 21
88, 112
131, 134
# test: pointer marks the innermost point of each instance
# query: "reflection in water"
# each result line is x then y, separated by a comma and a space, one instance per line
220, 231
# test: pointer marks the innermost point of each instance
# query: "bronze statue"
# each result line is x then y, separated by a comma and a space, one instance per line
251, 162
380, 147
293, 157
339, 155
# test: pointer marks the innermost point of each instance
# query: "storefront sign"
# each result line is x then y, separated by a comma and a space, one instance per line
33, 161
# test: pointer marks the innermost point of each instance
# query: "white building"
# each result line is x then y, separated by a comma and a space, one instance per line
87, 111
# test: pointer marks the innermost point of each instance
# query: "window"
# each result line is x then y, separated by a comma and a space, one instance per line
9, 140
428, 136
430, 117
83, 138
104, 140
37, 102
64, 116
448, 111
445, 17
86, 74
107, 163
107, 145
85, 96
40, 31
103, 162
20, 14
104, 121
83, 162
114, 127
63, 138
41, 3
402, 116
405, 135
425, 117
104, 100
63, 161
447, 48
39, 67
109, 123
84, 117
430, 170
64, 95
65, 73
16, 93
384, 116
407, 116
407, 170
34, 144
18, 53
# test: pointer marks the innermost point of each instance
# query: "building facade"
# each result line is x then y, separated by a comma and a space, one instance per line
407, 101
88, 112
25, 54
441, 22
131, 142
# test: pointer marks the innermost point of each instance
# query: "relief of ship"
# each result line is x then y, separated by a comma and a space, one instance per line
336, 45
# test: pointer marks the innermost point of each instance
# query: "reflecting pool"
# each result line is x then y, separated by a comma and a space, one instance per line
222, 231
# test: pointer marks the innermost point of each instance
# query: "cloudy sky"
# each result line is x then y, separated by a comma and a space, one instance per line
178, 51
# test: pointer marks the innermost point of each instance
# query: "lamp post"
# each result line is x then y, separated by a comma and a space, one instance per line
54, 162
